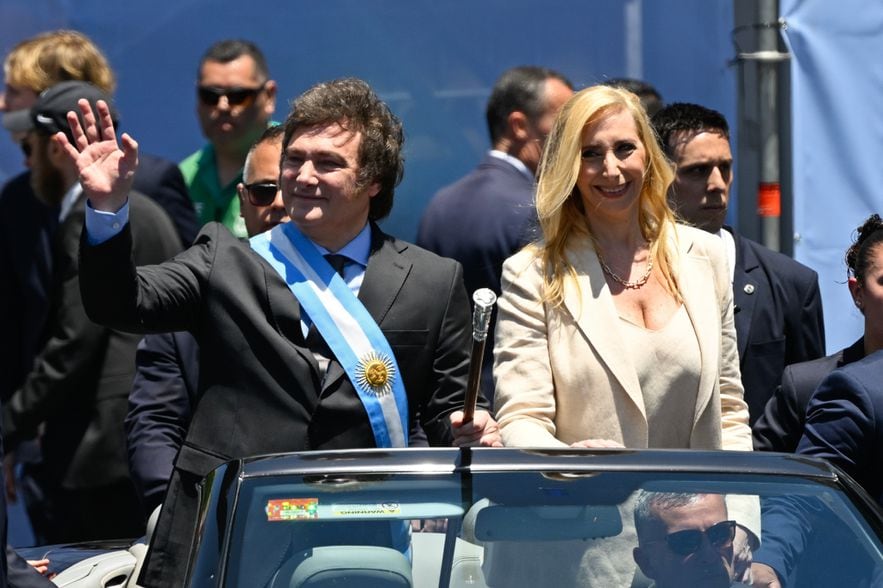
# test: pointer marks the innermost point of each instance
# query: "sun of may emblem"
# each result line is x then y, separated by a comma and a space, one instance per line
375, 373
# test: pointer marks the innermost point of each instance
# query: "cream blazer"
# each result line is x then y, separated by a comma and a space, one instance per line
563, 374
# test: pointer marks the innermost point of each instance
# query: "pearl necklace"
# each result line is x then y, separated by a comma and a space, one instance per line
625, 283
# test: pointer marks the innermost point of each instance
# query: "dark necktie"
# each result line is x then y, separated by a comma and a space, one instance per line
338, 262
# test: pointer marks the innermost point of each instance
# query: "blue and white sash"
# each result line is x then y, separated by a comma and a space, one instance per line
353, 336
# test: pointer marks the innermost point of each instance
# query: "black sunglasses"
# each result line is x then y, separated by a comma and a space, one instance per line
261, 193
26, 147
211, 95
689, 541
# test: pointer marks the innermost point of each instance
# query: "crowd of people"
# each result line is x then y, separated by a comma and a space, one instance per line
161, 319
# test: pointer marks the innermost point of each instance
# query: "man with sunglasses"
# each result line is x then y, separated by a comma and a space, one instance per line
684, 540
235, 100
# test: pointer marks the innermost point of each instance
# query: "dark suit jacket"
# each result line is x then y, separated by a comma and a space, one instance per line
844, 422
27, 227
20, 574
480, 220
844, 425
780, 426
160, 409
162, 181
778, 315
163, 392
259, 387
81, 378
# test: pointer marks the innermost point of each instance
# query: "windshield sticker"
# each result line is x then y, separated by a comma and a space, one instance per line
383, 509
292, 509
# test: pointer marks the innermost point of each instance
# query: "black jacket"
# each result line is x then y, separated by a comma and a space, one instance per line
778, 316
259, 388
780, 426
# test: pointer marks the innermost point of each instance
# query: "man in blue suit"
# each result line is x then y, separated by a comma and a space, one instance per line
844, 422
844, 425
780, 427
777, 303
486, 216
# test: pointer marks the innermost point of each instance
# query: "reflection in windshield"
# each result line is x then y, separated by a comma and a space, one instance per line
538, 529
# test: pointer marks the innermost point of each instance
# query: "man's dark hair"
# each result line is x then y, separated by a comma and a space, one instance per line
352, 104
230, 49
520, 89
686, 117
650, 97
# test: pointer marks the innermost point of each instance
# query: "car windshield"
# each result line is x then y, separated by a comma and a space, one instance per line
538, 528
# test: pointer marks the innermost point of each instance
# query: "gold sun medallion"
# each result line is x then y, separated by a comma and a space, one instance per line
375, 373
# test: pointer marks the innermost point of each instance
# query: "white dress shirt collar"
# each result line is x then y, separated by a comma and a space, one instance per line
514, 162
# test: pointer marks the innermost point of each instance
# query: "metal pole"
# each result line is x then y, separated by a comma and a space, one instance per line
769, 205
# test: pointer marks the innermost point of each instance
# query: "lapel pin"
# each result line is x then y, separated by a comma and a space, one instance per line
748, 289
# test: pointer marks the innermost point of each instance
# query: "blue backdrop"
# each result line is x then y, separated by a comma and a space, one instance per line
837, 86
434, 62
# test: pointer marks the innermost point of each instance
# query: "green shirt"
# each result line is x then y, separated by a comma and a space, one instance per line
211, 201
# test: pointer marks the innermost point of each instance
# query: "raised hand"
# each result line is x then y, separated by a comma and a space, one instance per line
106, 168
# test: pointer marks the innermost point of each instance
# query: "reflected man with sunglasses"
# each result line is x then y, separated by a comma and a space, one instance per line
685, 540
235, 100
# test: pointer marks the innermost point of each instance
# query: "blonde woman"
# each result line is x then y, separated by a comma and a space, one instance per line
616, 328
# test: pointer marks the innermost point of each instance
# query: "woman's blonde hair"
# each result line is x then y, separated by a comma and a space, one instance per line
49, 58
559, 204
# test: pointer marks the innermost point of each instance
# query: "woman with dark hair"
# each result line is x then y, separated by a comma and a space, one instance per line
781, 425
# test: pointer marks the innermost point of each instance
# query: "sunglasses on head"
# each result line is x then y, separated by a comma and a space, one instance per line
689, 541
211, 95
261, 193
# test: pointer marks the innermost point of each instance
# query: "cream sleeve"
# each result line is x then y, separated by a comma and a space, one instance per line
523, 378
736, 434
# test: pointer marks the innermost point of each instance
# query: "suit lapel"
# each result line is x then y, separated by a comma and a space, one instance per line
384, 278
701, 304
745, 292
591, 305
285, 314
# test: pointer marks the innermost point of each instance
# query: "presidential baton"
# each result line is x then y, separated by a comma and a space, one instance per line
484, 299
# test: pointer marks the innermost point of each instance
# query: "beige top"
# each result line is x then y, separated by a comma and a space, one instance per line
566, 373
563, 373
667, 364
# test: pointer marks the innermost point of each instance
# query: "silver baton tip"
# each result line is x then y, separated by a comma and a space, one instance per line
484, 297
